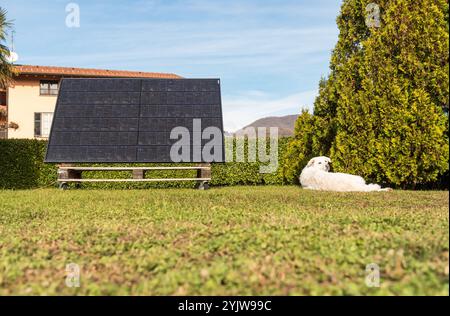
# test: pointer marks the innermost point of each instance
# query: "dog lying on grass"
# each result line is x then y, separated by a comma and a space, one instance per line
316, 176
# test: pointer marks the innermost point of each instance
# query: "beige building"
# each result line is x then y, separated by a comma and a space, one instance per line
27, 106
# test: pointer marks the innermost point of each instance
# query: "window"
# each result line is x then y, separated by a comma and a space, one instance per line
42, 124
2, 98
49, 87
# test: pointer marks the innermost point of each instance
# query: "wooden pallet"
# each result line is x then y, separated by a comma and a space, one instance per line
71, 174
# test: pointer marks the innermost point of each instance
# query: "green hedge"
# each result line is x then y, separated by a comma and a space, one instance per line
22, 164
22, 167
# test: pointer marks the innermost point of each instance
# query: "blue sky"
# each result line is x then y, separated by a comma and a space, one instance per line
269, 54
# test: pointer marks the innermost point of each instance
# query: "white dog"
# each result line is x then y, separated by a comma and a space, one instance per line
316, 176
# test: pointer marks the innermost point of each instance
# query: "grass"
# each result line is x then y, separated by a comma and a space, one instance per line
225, 241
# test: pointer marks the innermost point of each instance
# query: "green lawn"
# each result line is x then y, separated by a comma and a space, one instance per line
225, 241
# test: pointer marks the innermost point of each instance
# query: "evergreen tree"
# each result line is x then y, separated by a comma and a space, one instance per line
299, 148
383, 103
313, 135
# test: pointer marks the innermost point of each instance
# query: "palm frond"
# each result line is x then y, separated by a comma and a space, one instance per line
6, 69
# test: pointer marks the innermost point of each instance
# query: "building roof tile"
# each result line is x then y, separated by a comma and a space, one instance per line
89, 72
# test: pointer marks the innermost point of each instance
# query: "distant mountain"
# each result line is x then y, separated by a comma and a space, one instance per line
285, 124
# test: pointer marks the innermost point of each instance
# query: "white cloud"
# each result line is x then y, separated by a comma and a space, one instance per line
241, 110
274, 49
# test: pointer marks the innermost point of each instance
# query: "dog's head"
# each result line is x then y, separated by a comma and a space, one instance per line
321, 163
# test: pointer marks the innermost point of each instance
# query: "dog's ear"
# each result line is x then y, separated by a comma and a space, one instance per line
310, 163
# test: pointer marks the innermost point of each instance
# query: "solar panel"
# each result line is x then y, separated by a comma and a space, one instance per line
137, 120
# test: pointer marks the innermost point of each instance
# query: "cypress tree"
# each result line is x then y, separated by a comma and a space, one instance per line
384, 102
